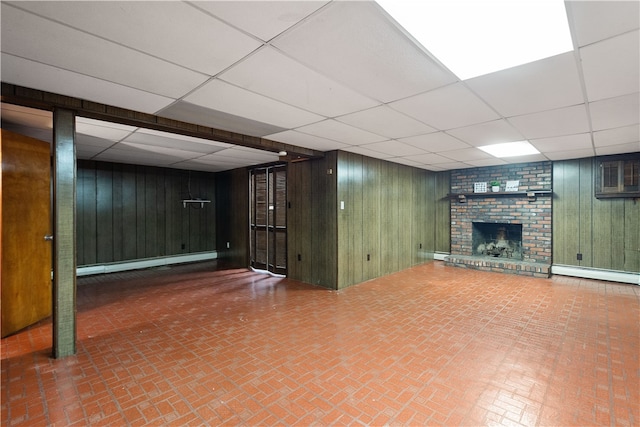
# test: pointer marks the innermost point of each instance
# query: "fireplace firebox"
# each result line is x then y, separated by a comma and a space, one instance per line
497, 240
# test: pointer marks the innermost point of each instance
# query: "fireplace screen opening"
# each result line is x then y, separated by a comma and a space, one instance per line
498, 240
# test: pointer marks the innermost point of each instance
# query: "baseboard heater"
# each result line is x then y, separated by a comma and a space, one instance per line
144, 263
439, 256
596, 273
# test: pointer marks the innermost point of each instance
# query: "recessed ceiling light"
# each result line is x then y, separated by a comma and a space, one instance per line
473, 37
510, 149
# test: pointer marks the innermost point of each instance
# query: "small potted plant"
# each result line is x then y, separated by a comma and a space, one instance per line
495, 186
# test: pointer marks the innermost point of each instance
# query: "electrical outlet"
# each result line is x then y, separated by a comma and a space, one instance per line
228, 245
579, 257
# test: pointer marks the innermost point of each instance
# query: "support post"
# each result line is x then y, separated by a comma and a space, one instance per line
64, 231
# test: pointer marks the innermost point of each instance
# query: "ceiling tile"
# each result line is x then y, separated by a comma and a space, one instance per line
222, 96
612, 67
494, 132
435, 142
615, 112
349, 39
47, 42
431, 159
103, 130
197, 165
367, 152
144, 28
133, 155
263, 19
407, 161
446, 108
387, 122
618, 136
618, 149
333, 129
465, 155
394, 148
290, 82
598, 20
570, 154
305, 140
156, 148
245, 153
541, 85
34, 75
563, 143
526, 159
176, 142
25, 116
191, 113
564, 121
486, 162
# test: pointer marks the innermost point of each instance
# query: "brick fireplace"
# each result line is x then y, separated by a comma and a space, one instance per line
520, 240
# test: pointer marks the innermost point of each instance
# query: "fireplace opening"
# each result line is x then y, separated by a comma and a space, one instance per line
497, 240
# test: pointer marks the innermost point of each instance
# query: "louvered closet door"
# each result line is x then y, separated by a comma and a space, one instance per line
268, 219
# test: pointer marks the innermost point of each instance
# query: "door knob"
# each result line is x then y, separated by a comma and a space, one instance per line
48, 237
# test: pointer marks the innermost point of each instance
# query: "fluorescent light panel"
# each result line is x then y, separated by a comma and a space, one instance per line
474, 37
510, 149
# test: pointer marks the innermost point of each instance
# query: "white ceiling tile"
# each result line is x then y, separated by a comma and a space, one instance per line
455, 165
615, 112
465, 154
245, 153
25, 116
407, 161
263, 19
347, 40
197, 165
486, 162
225, 97
367, 152
494, 132
93, 143
173, 142
435, 142
290, 82
431, 159
103, 130
618, 149
394, 148
180, 139
131, 155
386, 121
47, 42
598, 20
333, 129
34, 75
612, 67
541, 85
307, 141
564, 121
144, 26
526, 159
446, 108
570, 154
563, 143
156, 148
617, 136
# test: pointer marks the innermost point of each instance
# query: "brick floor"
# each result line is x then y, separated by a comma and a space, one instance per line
431, 345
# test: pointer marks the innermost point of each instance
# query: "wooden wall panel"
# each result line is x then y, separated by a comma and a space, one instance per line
371, 217
604, 231
232, 217
104, 213
442, 187
128, 212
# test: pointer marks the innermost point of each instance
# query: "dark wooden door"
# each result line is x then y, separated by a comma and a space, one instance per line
269, 219
26, 220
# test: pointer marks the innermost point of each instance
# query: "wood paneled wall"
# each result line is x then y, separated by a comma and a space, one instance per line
232, 213
394, 217
128, 212
605, 231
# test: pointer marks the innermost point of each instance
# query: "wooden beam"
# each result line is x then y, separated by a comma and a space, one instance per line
27, 97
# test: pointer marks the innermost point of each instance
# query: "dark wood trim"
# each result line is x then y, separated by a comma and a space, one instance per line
26, 97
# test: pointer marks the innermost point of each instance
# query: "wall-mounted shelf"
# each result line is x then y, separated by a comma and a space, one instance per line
200, 201
531, 195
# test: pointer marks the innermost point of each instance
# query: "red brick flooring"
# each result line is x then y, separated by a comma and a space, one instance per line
432, 345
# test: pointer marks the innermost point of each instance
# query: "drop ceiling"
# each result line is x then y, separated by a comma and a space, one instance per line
322, 75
